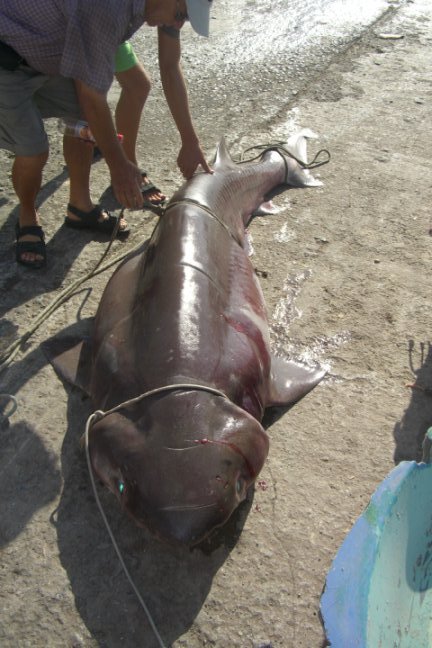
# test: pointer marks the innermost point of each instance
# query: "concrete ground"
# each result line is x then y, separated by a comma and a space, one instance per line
347, 282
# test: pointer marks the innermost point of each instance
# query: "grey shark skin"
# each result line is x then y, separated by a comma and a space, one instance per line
189, 309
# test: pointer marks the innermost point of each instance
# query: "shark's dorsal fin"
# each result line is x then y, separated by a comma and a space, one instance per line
223, 159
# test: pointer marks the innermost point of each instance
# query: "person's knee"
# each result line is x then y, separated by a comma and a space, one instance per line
135, 83
31, 162
144, 84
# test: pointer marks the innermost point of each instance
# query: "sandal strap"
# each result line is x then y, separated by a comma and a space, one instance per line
148, 186
32, 247
30, 230
91, 217
37, 247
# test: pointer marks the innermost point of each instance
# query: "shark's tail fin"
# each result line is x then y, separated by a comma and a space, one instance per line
294, 154
297, 165
297, 144
297, 176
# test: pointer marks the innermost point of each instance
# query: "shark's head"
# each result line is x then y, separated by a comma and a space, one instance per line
181, 463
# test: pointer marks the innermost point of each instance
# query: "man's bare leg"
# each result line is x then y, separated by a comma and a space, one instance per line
78, 156
27, 181
135, 87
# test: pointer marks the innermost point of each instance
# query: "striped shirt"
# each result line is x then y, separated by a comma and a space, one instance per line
73, 38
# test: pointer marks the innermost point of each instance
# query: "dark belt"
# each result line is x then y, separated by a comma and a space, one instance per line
9, 58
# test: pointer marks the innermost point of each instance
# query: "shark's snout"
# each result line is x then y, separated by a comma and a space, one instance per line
180, 487
183, 513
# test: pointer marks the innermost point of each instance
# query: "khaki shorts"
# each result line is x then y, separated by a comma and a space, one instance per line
27, 97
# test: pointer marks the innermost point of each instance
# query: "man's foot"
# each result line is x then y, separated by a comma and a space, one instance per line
153, 197
97, 219
30, 246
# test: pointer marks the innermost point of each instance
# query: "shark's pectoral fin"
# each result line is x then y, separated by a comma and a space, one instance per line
267, 207
290, 381
71, 359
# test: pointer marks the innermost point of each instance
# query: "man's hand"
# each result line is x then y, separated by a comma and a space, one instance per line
126, 180
189, 158
191, 154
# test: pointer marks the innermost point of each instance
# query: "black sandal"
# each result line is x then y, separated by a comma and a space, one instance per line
91, 220
34, 247
148, 188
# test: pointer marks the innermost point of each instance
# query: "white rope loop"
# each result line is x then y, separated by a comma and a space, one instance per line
8, 405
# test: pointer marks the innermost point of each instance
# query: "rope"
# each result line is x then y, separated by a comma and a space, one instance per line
9, 354
11, 401
280, 148
99, 415
207, 210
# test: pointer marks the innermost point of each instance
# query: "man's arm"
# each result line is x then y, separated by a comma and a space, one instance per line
125, 176
174, 86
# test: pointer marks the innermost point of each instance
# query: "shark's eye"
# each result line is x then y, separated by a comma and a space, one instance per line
121, 486
239, 485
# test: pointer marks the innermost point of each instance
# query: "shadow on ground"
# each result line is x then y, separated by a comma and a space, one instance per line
174, 582
29, 478
409, 432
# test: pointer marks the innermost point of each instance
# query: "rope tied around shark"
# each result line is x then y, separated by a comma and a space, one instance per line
207, 210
